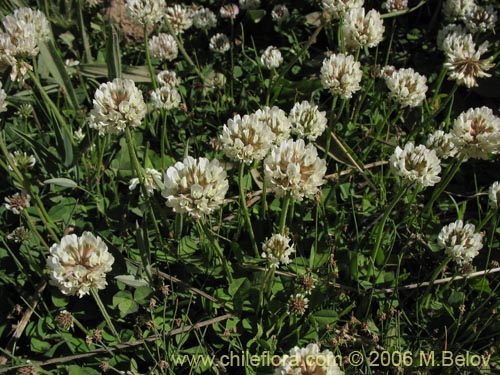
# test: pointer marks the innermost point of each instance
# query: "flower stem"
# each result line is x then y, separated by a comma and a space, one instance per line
330, 126
202, 228
244, 207
104, 312
148, 59
284, 212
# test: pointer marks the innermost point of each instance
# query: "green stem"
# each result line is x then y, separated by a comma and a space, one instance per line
377, 254
330, 126
151, 69
284, 211
263, 201
439, 82
104, 312
452, 171
244, 207
202, 228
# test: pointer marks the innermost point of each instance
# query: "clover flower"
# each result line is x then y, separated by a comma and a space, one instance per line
395, 5
494, 194
447, 35
476, 133
460, 242
22, 160
17, 203
277, 249
220, 43
145, 12
24, 29
341, 74
229, 11
297, 305
308, 361
363, 30
204, 19
168, 78
442, 143
307, 120
19, 235
78, 264
406, 87
165, 97
246, 138
163, 46
280, 13
195, 186
152, 181
481, 19
271, 58
3, 97
294, 168
214, 80
117, 105
180, 18
338, 8
455, 10
277, 121
416, 165
463, 60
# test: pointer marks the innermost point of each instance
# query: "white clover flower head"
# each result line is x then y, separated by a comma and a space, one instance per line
455, 10
229, 11
271, 58
165, 97
163, 46
308, 360
277, 250
22, 160
249, 4
406, 87
476, 133
395, 5
168, 78
460, 242
447, 35
79, 135
442, 143
341, 74
307, 120
480, 19
214, 80
180, 18
494, 194
294, 168
297, 305
93, 3
338, 8
280, 13
17, 203
78, 264
152, 181
463, 60
3, 97
146, 12
204, 19
246, 138
219, 43
19, 235
277, 121
195, 186
19, 43
362, 29
117, 105
27, 16
416, 165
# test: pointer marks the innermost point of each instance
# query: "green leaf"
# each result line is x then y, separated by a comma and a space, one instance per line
256, 14
77, 370
131, 281
64, 182
113, 55
324, 317
38, 345
51, 59
142, 293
